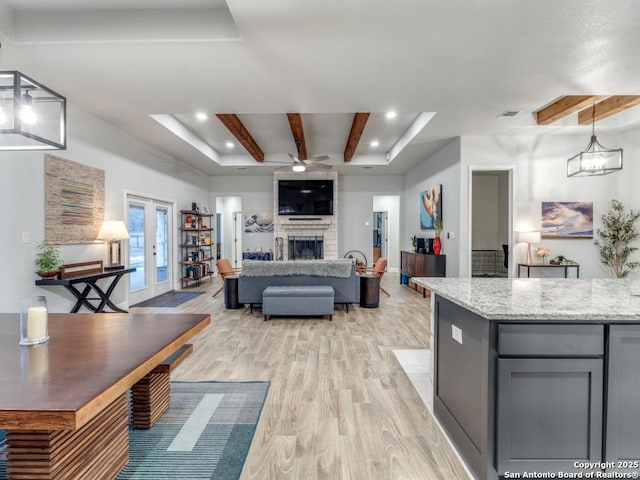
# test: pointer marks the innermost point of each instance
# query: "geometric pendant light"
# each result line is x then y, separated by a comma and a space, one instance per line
595, 159
32, 116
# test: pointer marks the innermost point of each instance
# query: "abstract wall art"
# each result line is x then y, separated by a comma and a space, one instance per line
567, 220
430, 207
74, 201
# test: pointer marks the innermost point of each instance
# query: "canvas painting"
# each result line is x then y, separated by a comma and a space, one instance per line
430, 207
567, 220
74, 201
258, 221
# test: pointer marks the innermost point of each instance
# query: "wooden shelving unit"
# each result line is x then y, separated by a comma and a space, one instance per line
196, 234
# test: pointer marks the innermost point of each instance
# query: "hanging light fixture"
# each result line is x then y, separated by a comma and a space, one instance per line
32, 116
595, 159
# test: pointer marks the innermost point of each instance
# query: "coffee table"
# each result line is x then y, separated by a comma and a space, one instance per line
64, 404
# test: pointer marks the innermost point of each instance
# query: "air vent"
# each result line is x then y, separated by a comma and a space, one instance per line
509, 114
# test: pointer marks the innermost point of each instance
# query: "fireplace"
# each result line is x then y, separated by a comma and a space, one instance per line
306, 247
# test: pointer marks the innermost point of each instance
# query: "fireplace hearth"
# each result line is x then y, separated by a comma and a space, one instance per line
306, 247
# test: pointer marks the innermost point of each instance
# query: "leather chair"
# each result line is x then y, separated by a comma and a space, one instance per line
225, 269
378, 269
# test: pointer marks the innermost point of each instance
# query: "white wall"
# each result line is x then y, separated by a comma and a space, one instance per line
95, 143
256, 193
441, 168
540, 175
484, 208
355, 202
355, 231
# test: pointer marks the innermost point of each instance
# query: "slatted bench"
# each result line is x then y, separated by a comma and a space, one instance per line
151, 396
298, 300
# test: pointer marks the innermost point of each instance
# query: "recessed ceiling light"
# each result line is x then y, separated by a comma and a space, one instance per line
201, 116
374, 143
391, 115
229, 144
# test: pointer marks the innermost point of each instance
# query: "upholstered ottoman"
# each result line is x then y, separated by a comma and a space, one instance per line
298, 300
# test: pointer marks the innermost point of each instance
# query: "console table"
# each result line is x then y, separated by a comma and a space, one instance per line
90, 282
566, 267
421, 265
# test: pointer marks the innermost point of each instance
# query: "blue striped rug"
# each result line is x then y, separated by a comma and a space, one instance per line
205, 434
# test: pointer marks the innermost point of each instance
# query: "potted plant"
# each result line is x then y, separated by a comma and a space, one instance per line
437, 243
414, 242
613, 239
48, 260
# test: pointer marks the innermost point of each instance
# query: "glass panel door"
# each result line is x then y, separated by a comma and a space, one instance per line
150, 247
137, 246
161, 247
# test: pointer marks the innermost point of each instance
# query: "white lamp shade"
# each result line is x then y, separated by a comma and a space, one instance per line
528, 237
113, 230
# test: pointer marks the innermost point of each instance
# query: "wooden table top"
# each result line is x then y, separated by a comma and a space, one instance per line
88, 362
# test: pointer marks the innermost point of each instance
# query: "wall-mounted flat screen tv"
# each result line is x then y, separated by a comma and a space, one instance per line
305, 197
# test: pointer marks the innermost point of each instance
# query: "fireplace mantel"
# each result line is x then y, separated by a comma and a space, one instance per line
320, 223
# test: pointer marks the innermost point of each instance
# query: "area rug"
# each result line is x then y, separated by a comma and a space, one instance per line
169, 299
205, 434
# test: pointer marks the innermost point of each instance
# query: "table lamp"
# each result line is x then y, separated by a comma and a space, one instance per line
528, 238
112, 231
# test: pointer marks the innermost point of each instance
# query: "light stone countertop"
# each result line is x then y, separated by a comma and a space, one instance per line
540, 298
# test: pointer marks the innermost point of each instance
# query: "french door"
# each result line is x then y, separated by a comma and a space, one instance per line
150, 247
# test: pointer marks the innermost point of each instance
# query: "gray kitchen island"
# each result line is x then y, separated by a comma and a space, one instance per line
538, 378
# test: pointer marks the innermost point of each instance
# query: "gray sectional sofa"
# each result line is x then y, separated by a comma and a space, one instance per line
257, 275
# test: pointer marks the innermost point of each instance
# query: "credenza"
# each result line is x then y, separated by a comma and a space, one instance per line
421, 265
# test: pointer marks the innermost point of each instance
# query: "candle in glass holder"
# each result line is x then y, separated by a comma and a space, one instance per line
33, 321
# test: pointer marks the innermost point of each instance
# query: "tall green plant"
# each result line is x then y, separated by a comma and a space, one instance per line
613, 239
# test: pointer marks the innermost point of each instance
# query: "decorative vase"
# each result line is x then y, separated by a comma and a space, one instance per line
437, 245
48, 275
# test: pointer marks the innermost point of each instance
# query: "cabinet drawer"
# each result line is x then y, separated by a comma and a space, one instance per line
550, 340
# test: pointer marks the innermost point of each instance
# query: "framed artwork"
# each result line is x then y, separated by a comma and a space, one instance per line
74, 201
258, 221
567, 220
204, 209
430, 207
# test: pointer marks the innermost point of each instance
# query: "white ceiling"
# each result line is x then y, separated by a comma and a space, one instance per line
124, 60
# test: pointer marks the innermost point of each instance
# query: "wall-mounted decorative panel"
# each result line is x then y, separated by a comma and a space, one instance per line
74, 201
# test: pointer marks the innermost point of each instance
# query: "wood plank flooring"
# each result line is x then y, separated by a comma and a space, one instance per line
339, 406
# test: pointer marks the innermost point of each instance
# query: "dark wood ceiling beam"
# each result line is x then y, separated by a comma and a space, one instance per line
237, 128
295, 122
607, 107
357, 127
564, 106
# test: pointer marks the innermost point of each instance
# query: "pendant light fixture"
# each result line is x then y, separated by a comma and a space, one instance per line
595, 159
32, 116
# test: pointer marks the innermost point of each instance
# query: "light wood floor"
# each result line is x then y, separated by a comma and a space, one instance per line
339, 405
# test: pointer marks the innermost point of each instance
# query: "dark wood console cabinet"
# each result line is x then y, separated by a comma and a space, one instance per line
421, 265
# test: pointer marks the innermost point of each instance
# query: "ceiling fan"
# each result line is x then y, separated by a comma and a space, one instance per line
313, 162
300, 165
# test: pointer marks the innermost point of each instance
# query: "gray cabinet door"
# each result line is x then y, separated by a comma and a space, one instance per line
549, 413
623, 404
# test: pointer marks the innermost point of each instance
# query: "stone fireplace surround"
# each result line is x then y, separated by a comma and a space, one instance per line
325, 226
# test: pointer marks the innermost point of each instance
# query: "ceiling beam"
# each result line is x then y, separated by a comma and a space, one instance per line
295, 122
357, 127
607, 107
235, 126
562, 107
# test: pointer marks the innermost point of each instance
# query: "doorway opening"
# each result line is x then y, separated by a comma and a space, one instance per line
491, 224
